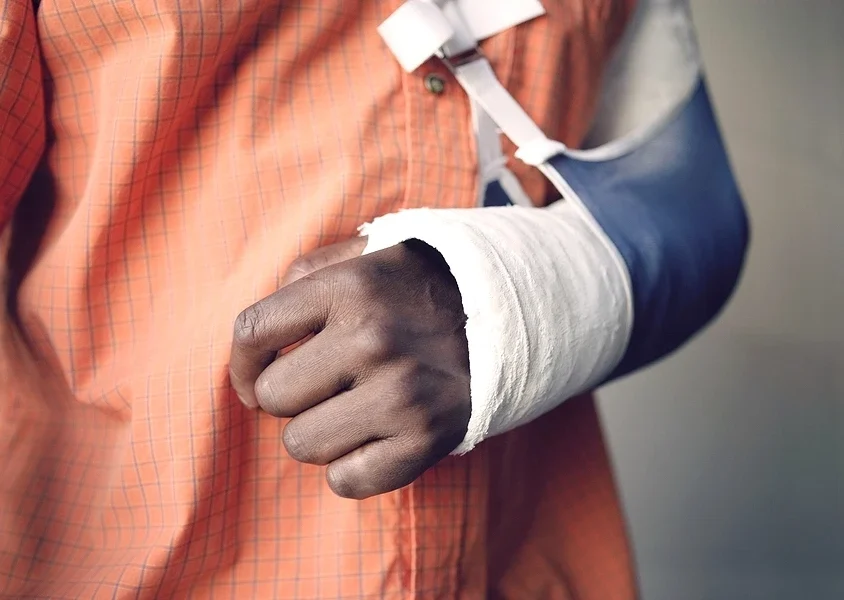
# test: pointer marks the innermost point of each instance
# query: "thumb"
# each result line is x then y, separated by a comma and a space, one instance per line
319, 259
323, 257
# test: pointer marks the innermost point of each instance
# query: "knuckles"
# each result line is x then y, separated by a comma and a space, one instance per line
374, 472
272, 399
249, 327
372, 280
296, 443
358, 279
340, 483
422, 412
301, 267
377, 339
432, 406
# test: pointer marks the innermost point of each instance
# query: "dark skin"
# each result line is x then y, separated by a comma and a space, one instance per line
367, 356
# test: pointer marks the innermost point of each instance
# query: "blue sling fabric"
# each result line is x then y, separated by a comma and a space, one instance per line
672, 208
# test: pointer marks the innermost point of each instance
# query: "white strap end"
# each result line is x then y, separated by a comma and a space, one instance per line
540, 151
486, 18
415, 32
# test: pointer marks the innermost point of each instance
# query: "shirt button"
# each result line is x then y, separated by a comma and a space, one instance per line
434, 84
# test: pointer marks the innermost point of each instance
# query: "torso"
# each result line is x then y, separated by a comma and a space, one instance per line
194, 151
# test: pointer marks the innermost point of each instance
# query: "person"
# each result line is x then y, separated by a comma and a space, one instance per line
410, 257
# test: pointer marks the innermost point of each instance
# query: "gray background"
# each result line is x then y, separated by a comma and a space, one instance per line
730, 455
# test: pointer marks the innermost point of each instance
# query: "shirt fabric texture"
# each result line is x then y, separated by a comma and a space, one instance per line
161, 164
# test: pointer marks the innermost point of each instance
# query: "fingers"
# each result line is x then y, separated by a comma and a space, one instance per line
323, 257
374, 368
379, 467
373, 439
336, 427
293, 313
308, 374
348, 432
278, 321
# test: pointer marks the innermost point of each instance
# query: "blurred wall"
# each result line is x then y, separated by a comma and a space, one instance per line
730, 455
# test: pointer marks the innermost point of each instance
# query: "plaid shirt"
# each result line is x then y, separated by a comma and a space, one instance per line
161, 163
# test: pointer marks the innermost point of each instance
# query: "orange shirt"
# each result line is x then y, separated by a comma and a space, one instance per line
181, 155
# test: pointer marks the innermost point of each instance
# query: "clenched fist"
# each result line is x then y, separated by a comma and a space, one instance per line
377, 381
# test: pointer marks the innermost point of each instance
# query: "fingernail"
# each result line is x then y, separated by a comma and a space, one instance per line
246, 403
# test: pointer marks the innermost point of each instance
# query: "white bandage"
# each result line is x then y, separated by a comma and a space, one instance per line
547, 303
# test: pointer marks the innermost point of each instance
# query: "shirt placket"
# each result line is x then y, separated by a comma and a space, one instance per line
441, 173
444, 513
442, 163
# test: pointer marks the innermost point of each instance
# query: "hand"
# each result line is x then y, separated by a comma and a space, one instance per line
378, 385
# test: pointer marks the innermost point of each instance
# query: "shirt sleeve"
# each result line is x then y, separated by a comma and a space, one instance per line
22, 120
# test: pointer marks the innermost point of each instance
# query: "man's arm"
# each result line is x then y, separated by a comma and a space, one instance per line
642, 251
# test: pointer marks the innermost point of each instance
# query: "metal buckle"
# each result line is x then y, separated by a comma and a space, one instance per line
464, 58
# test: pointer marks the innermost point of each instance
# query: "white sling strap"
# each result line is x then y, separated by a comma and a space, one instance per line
421, 29
478, 79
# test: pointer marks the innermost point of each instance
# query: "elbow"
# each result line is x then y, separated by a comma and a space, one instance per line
686, 275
